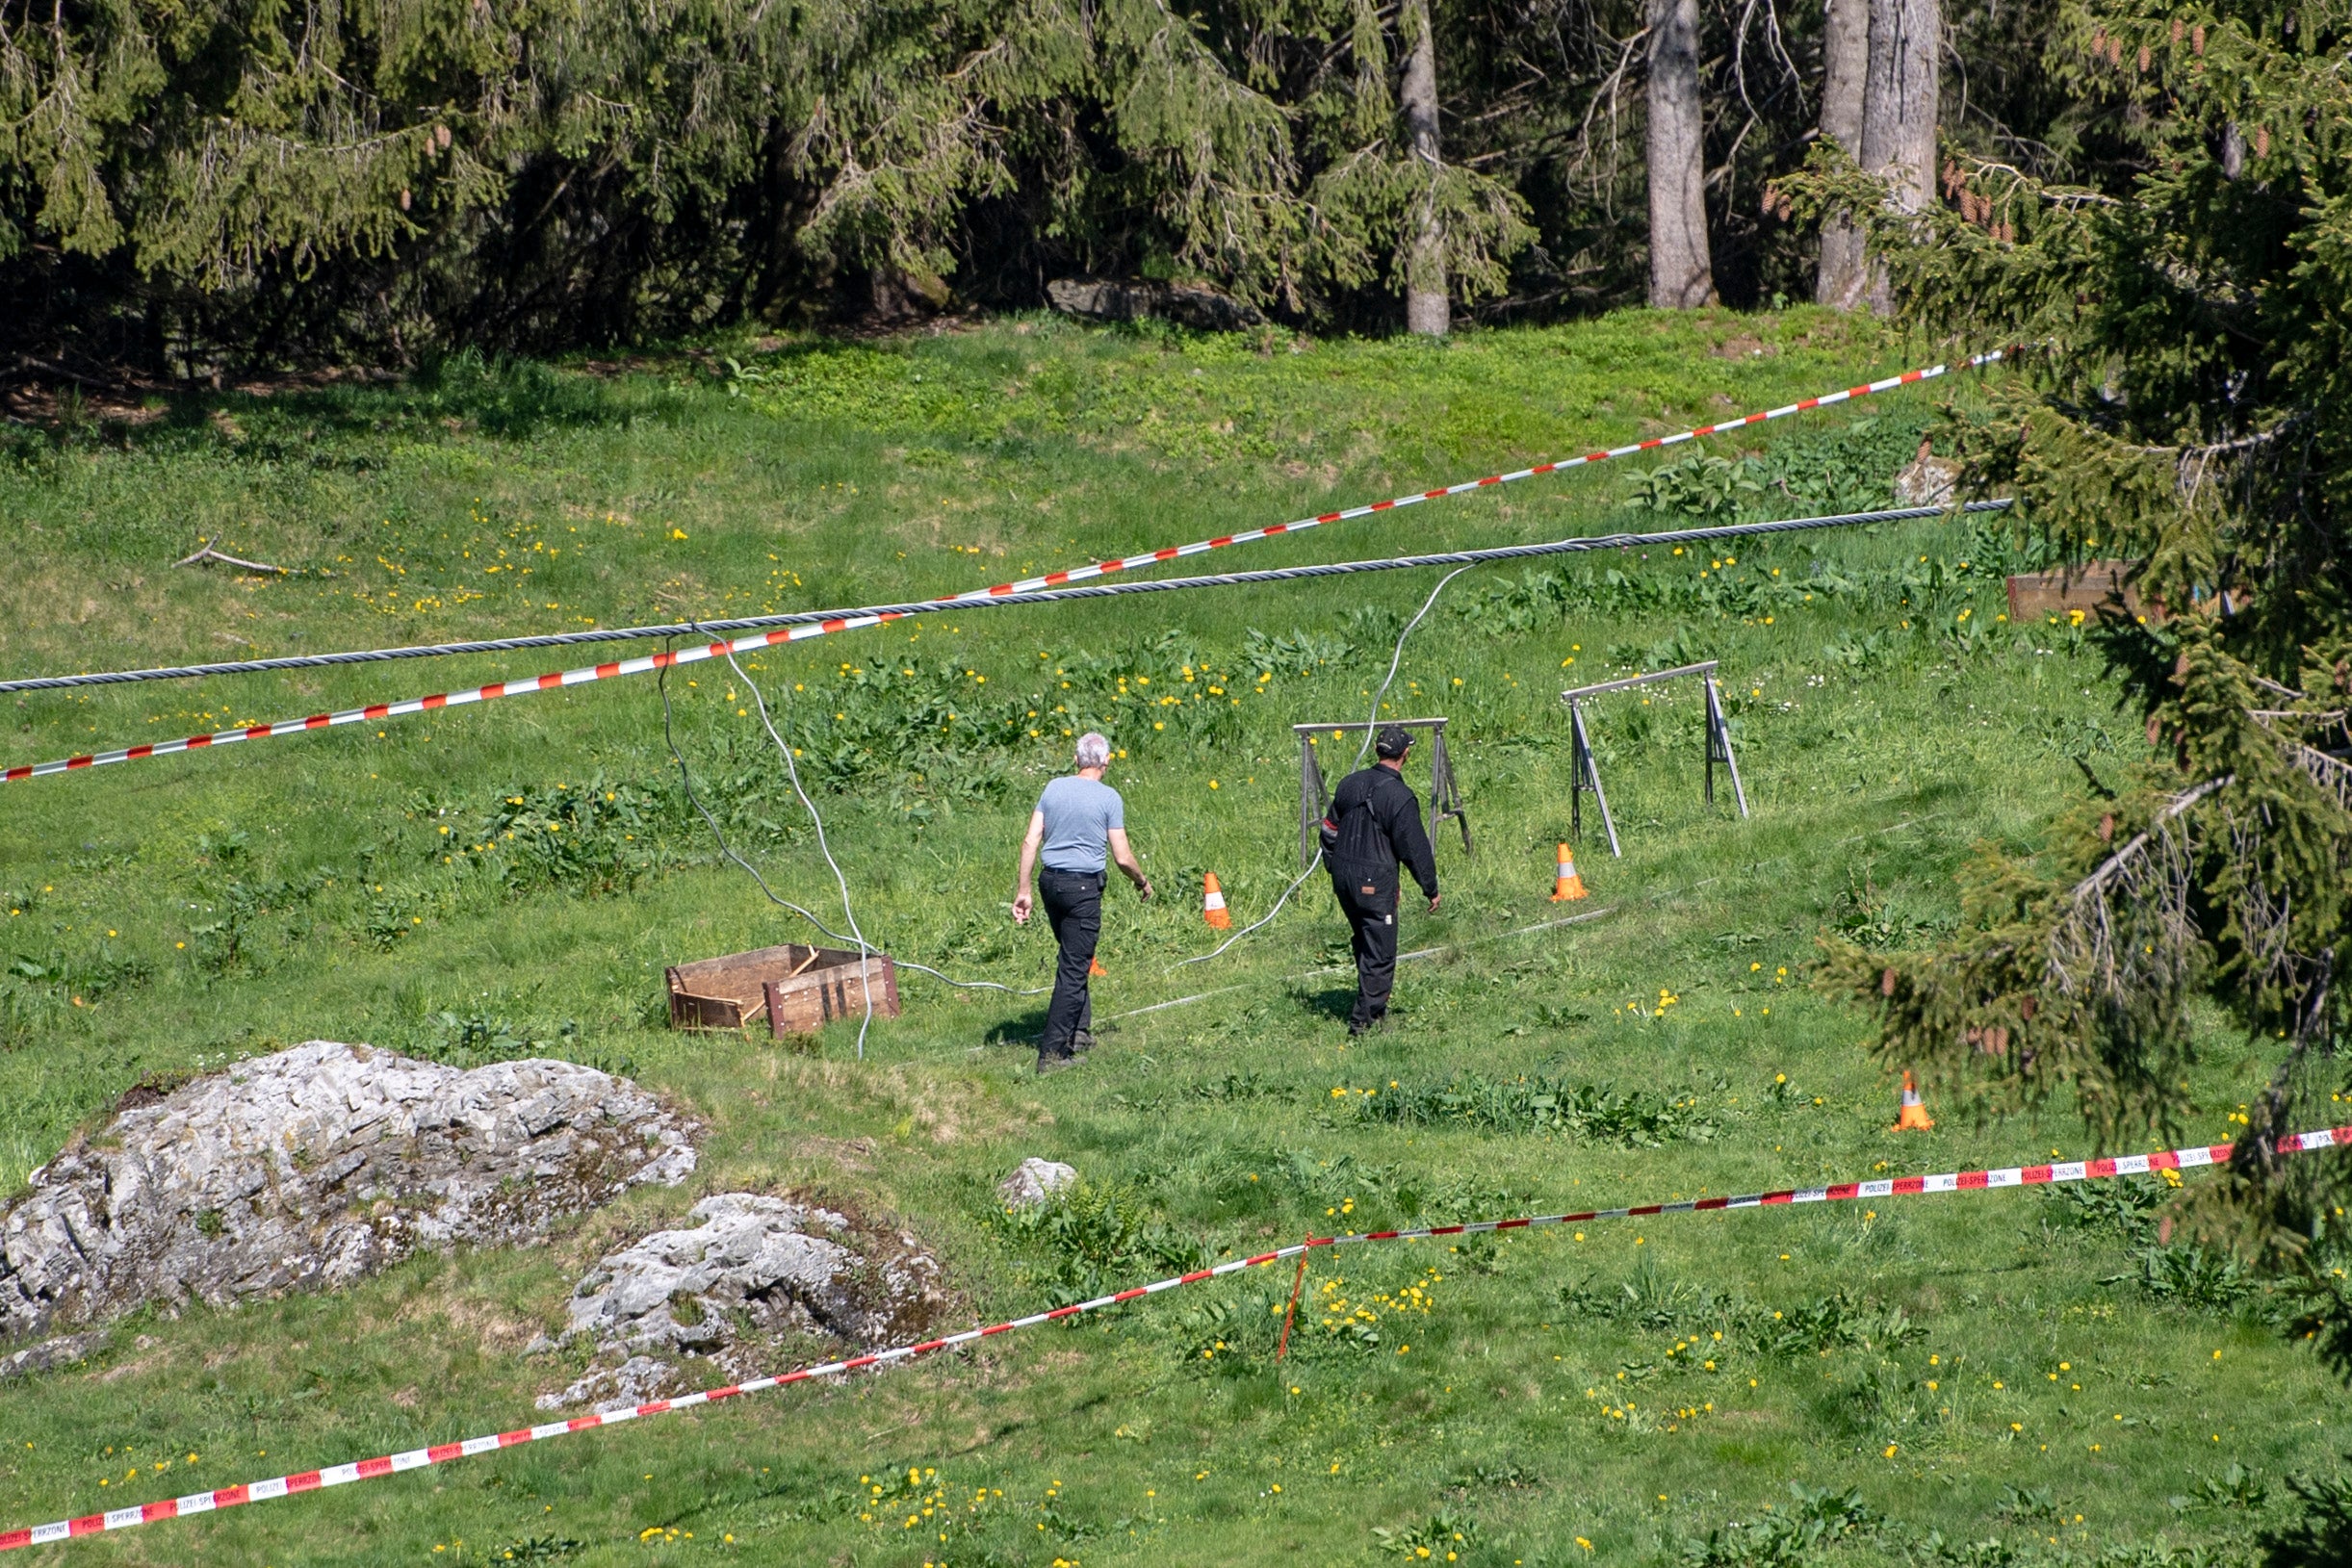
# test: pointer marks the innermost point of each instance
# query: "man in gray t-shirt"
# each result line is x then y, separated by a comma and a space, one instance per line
1078, 819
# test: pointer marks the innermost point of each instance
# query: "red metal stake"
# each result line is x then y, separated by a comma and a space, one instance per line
1282, 1348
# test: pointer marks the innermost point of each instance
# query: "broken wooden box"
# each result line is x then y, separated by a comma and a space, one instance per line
797, 989
2090, 587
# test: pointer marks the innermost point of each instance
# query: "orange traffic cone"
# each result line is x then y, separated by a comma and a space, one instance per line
1213, 898
1569, 884
1914, 1117
1094, 969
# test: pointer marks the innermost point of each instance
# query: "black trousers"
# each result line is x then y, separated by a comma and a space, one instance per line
1074, 907
1370, 903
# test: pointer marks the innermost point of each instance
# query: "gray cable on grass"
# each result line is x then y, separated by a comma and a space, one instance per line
661, 686
1045, 596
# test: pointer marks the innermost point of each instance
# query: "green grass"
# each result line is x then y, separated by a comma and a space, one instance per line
181, 912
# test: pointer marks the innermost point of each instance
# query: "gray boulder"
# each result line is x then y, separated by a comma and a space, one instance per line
314, 1166
64, 1351
1929, 481
753, 1269
1194, 305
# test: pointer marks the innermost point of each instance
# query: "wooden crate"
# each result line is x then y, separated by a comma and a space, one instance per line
796, 988
2040, 595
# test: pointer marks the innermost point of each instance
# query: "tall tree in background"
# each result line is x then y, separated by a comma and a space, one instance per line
1681, 270
2188, 406
400, 175
1846, 51
1426, 309
1899, 108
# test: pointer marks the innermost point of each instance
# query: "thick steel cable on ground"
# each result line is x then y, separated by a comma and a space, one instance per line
975, 596
134, 1515
859, 620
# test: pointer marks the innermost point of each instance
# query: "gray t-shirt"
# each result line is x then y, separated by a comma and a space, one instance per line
1079, 815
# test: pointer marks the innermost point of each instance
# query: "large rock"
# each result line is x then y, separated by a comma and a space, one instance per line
1033, 1181
763, 1262
314, 1166
1194, 305
754, 1270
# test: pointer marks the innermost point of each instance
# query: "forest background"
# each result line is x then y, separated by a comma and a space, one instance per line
218, 187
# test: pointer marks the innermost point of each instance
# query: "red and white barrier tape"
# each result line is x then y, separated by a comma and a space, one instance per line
853, 623
1962, 1181
1080, 574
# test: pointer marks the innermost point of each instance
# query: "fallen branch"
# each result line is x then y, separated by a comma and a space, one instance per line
2098, 880
209, 553
2095, 946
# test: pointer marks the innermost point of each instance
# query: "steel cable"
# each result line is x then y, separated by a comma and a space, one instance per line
925, 607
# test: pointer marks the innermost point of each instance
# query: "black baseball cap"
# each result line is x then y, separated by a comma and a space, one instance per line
1394, 741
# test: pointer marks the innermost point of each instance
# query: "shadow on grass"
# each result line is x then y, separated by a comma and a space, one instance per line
1022, 1029
1332, 1002
306, 419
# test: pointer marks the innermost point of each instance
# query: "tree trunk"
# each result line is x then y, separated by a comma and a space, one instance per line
1681, 272
1425, 310
1846, 43
1899, 109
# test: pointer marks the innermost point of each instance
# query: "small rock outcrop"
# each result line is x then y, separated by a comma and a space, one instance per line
1034, 1181
753, 1270
1929, 481
314, 1166
62, 1352
1195, 305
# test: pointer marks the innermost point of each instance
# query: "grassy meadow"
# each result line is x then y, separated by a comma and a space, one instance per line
2006, 1377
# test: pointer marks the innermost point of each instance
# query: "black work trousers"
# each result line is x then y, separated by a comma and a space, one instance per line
1074, 907
1370, 903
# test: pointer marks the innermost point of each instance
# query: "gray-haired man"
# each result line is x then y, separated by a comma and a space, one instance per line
1076, 819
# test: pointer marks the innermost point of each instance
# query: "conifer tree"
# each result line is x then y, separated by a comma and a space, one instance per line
2184, 404
1846, 35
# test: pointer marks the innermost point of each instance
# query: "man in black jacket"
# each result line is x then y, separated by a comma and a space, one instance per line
1374, 823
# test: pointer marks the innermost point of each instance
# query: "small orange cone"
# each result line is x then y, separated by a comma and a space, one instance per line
1914, 1117
1569, 884
1094, 969
1213, 898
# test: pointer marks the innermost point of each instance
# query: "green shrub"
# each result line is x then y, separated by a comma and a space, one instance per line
1601, 1112
595, 837
1096, 1237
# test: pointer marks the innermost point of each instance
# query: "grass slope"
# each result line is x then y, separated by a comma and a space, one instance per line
510, 879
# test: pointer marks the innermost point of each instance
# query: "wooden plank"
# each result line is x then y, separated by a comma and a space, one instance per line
2040, 596
832, 990
689, 1011
797, 986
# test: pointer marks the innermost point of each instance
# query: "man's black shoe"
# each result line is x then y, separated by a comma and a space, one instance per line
1054, 1064
1082, 1042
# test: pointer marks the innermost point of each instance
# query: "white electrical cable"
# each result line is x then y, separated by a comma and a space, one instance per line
1371, 729
662, 690
792, 771
685, 778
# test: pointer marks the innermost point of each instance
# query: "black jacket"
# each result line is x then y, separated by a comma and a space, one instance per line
1377, 819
